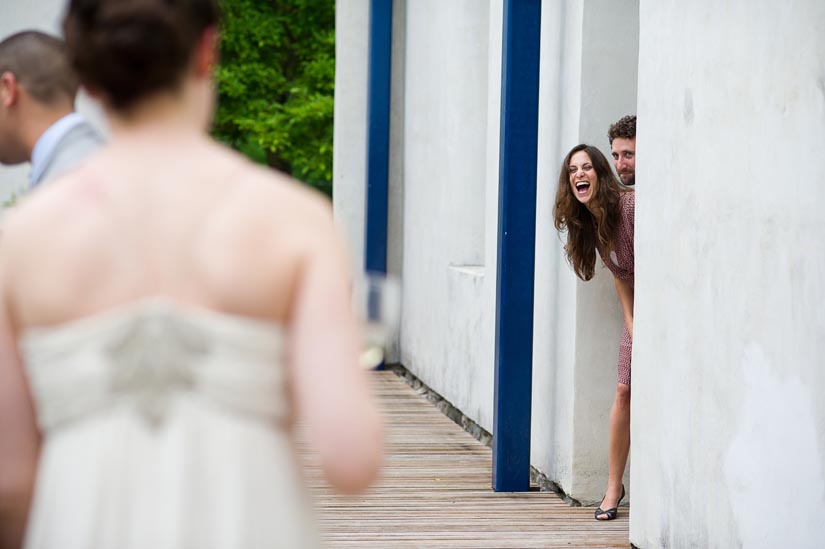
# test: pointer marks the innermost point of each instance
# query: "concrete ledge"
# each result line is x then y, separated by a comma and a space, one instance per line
473, 271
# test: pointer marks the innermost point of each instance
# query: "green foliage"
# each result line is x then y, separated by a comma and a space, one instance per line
276, 82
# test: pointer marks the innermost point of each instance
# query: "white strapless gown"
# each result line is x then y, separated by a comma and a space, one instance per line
164, 427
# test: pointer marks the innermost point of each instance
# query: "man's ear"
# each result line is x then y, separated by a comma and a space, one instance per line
9, 89
206, 52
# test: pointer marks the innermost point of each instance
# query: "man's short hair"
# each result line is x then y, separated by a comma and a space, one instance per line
40, 64
625, 128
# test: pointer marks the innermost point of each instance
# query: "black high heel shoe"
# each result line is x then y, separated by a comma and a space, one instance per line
610, 513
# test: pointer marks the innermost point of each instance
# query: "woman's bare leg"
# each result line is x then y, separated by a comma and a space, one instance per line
619, 446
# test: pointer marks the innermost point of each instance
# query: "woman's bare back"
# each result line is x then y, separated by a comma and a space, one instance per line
187, 219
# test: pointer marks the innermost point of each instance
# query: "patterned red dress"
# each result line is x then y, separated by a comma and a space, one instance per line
620, 262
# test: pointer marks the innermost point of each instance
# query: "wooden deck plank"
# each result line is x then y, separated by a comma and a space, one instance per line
435, 492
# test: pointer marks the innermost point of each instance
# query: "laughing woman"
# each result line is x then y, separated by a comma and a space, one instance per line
597, 213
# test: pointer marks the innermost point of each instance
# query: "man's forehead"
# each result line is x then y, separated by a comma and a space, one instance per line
623, 144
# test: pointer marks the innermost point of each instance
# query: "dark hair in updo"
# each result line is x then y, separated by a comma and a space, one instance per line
128, 49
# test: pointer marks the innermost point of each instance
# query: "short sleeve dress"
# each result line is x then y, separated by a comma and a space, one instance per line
621, 263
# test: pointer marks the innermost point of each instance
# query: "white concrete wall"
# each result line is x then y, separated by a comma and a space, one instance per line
45, 16
349, 154
554, 332
486, 335
610, 53
588, 81
444, 203
446, 339
728, 419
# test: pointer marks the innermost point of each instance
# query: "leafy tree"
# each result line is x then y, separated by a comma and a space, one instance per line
276, 82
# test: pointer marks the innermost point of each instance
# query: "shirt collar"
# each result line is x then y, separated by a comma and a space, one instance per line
46, 144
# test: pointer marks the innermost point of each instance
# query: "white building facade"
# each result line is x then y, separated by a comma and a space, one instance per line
730, 245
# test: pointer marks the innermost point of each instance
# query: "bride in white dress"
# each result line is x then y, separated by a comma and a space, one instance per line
166, 310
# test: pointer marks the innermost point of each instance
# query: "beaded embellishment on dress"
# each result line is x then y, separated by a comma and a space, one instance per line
153, 358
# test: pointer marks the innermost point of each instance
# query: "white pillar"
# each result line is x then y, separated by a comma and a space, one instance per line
589, 58
349, 163
728, 416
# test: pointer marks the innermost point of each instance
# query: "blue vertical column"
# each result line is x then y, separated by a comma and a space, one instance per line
378, 141
516, 245
378, 136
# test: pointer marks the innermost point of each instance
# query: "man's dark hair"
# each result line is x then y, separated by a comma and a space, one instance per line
624, 128
39, 63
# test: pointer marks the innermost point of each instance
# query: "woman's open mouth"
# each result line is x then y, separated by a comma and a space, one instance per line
582, 187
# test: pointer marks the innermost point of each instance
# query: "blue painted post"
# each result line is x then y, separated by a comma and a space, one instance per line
516, 245
378, 136
378, 140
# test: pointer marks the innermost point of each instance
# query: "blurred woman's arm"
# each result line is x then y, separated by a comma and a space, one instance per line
332, 390
19, 438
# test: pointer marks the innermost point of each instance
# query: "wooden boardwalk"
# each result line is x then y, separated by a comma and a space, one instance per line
434, 492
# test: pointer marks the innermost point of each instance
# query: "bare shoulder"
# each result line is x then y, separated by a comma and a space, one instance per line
37, 235
285, 190
282, 227
41, 212
276, 200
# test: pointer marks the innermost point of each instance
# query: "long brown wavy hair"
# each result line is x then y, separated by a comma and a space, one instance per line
582, 226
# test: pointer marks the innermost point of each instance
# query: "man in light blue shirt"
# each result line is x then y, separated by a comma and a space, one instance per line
37, 118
